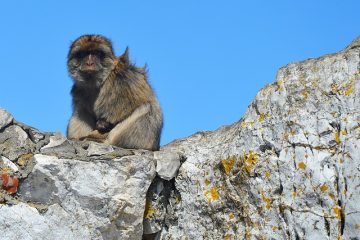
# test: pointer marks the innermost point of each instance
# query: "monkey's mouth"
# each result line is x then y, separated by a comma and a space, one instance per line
89, 71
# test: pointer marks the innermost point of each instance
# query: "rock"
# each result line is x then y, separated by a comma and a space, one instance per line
167, 164
14, 142
97, 199
7, 164
5, 118
35, 135
56, 140
96, 149
289, 169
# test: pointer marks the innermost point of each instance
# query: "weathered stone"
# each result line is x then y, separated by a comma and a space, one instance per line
5, 118
96, 149
7, 164
56, 140
289, 169
108, 197
14, 142
167, 164
155, 208
35, 135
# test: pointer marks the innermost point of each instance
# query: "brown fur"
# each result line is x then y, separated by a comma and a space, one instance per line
115, 105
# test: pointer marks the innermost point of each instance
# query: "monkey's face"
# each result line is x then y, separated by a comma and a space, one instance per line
90, 59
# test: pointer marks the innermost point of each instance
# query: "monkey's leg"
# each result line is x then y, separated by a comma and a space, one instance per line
141, 130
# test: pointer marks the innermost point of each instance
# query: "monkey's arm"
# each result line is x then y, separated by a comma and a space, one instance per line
117, 132
80, 125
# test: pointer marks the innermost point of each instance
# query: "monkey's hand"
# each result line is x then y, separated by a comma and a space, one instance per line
103, 126
95, 136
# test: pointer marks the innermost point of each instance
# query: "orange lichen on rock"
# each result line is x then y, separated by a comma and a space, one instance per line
302, 165
337, 210
267, 200
250, 160
324, 188
149, 210
10, 184
228, 163
212, 194
337, 137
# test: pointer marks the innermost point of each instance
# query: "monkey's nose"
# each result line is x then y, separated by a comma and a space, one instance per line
90, 61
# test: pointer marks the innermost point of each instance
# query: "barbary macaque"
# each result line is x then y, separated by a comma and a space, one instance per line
113, 102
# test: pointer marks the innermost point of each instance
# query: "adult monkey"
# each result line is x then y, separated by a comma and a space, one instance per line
113, 102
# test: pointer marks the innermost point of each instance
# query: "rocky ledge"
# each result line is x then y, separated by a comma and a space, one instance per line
289, 169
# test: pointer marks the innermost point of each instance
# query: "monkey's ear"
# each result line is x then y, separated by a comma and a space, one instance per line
144, 69
125, 56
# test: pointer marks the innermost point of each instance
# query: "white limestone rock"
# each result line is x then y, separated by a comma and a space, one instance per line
6, 163
167, 164
289, 169
96, 149
83, 200
5, 118
56, 140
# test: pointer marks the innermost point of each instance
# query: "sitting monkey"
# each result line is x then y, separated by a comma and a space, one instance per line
113, 102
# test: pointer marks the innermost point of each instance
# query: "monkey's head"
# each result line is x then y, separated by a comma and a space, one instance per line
90, 60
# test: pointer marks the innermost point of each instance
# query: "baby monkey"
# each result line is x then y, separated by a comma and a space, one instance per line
113, 102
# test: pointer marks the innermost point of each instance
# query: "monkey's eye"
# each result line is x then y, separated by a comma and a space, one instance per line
100, 54
80, 54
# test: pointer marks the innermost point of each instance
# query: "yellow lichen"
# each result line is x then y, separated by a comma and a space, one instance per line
250, 160
228, 164
149, 210
23, 159
301, 165
286, 136
231, 216
267, 174
356, 226
337, 137
305, 94
207, 182
275, 228
6, 170
344, 132
294, 194
262, 117
280, 84
227, 237
268, 201
337, 210
349, 88
324, 188
212, 194
334, 87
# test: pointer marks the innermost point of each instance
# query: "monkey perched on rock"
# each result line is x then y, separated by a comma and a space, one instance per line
113, 102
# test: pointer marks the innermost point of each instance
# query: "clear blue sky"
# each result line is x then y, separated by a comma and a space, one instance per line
207, 59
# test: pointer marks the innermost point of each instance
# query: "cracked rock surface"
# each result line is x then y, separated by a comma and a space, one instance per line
289, 169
